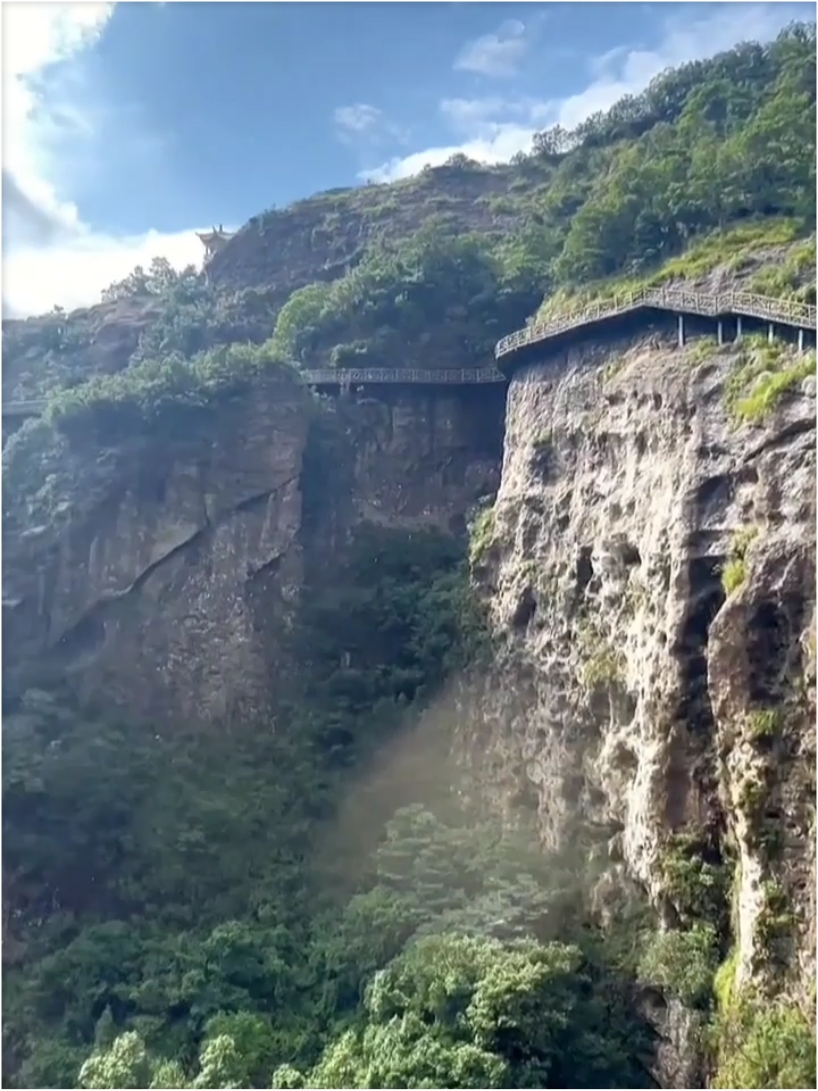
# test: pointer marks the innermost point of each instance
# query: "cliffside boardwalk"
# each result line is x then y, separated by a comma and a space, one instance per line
738, 305
680, 301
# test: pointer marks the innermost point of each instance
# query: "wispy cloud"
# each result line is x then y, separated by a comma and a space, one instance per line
365, 125
52, 136
493, 130
497, 55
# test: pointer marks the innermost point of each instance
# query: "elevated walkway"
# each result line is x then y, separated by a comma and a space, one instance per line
510, 350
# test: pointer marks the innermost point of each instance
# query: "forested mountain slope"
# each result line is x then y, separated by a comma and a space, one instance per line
416, 739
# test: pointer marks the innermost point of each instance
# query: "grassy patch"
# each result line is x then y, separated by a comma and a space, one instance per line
768, 391
764, 372
481, 536
729, 248
724, 981
734, 571
762, 724
751, 797
701, 350
603, 664
635, 598
794, 278
733, 575
543, 440
775, 921
762, 1045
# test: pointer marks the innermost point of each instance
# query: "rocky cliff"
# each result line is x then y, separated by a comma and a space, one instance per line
650, 566
156, 569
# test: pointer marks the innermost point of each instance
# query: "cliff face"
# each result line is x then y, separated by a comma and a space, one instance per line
143, 591
157, 572
650, 572
319, 239
101, 341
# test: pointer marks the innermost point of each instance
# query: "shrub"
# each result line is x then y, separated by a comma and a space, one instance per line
683, 963
769, 1045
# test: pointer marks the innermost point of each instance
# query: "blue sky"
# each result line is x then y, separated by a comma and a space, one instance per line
128, 126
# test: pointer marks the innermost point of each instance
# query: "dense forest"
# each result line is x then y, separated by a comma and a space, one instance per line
321, 904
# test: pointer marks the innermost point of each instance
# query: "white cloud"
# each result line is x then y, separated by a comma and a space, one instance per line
74, 272
493, 130
498, 55
50, 254
362, 124
356, 120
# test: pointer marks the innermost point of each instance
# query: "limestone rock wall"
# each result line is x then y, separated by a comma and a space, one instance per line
143, 587
634, 698
157, 572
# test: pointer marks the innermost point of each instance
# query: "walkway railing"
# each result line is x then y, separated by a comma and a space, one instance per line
446, 377
337, 377
787, 312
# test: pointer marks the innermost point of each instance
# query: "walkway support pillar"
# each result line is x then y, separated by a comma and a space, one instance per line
800, 340
738, 327
720, 332
770, 333
681, 321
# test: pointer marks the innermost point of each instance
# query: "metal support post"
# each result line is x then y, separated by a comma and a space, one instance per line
738, 327
800, 340
720, 331
681, 330
770, 333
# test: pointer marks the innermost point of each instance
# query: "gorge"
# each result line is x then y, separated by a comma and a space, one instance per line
416, 735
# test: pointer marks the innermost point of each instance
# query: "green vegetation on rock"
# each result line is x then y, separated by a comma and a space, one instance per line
153, 387
758, 1043
734, 572
601, 663
763, 374
732, 250
683, 962
695, 885
203, 910
766, 1045
380, 314
481, 535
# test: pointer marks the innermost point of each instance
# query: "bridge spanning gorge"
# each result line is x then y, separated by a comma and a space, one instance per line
524, 345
